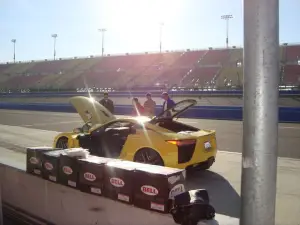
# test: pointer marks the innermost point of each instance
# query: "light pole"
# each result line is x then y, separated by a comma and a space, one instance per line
160, 35
260, 122
227, 18
54, 47
14, 43
102, 30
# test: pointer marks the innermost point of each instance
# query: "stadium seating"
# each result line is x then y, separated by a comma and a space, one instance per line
215, 57
145, 60
22, 81
82, 66
148, 76
86, 63
168, 59
52, 67
116, 62
230, 76
189, 58
220, 67
200, 76
95, 79
20, 68
48, 81
151, 74
128, 77
4, 67
291, 75
140, 66
292, 53
171, 77
236, 55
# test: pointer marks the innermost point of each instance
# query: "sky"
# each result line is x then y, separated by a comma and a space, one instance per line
132, 26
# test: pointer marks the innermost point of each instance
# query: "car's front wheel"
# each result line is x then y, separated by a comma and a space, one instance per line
62, 143
148, 156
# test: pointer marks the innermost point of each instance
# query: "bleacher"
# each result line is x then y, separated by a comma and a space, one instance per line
292, 75
152, 73
199, 68
215, 57
230, 75
22, 81
171, 76
104, 79
200, 76
4, 67
292, 53
189, 58
236, 55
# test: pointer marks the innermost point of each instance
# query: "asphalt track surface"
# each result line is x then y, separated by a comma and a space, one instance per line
229, 133
223, 181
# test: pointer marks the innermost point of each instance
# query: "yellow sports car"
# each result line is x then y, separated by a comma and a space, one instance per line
161, 140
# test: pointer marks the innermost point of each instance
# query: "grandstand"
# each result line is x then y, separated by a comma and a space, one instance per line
213, 68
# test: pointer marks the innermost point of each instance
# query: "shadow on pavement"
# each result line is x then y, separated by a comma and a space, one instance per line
223, 197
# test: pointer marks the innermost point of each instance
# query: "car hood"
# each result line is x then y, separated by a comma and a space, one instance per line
91, 111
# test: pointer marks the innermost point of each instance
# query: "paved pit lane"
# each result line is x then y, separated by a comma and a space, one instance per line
20, 129
229, 133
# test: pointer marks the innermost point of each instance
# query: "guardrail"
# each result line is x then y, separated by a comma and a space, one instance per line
224, 93
286, 114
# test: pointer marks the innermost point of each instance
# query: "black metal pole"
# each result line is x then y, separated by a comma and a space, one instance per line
103, 43
14, 52
54, 48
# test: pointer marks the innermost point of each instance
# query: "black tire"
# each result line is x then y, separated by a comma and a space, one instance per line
205, 166
148, 156
62, 143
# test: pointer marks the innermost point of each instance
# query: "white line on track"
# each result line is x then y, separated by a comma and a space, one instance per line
239, 153
35, 112
295, 128
186, 120
279, 126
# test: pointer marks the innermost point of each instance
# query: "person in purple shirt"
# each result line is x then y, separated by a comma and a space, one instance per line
168, 103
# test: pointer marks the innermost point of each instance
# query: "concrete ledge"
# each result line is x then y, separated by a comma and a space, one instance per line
62, 205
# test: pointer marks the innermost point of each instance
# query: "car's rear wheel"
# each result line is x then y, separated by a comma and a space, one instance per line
148, 156
205, 166
62, 143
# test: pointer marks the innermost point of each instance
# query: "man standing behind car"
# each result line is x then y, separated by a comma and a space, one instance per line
168, 103
107, 103
149, 106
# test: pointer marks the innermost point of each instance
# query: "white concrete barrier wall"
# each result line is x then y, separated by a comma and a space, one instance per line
62, 205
